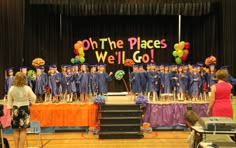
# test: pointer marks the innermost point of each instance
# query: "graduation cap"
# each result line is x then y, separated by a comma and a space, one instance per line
153, 64
161, 65
212, 65
226, 67
40, 67
91, 66
68, 67
24, 67
200, 64
135, 65
101, 65
53, 66
180, 65
10, 69
140, 65
63, 66
196, 66
85, 65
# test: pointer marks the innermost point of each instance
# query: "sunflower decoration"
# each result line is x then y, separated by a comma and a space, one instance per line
38, 62
210, 60
129, 62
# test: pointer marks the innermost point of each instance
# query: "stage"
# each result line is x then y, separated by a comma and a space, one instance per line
64, 115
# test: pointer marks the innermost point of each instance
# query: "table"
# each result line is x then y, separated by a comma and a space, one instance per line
171, 113
199, 132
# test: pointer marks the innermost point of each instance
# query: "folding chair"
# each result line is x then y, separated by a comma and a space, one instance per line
35, 130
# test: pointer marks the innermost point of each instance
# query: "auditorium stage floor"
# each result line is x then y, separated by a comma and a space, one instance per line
85, 140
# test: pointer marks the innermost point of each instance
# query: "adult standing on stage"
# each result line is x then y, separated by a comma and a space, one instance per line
220, 103
18, 103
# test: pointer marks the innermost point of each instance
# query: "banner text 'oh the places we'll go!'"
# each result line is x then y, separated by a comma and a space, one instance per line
114, 51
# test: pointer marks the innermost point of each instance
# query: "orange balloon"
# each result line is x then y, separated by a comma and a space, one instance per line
77, 46
77, 57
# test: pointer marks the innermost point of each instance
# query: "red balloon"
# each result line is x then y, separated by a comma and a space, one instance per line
75, 51
184, 58
186, 52
187, 45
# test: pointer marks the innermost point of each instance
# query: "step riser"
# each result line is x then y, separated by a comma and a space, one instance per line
121, 114
115, 121
120, 129
121, 136
125, 107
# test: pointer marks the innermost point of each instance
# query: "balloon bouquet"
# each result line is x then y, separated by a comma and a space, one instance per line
79, 53
181, 51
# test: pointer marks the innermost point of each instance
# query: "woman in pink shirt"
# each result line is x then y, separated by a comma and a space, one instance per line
220, 104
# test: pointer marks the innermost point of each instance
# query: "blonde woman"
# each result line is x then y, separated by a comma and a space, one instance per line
19, 96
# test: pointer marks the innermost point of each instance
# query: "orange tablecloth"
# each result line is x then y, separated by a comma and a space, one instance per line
51, 115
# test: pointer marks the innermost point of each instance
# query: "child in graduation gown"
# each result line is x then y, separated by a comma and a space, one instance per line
135, 81
84, 80
93, 80
211, 77
70, 84
103, 78
52, 83
24, 69
166, 84
143, 79
76, 74
152, 80
182, 83
40, 84
9, 79
195, 83
63, 82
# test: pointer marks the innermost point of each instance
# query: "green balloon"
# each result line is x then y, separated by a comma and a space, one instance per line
180, 53
82, 59
72, 60
178, 60
175, 53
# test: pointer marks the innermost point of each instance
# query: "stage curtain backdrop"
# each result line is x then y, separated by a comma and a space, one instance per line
30, 30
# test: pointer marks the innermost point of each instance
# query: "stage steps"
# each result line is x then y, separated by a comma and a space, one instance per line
120, 121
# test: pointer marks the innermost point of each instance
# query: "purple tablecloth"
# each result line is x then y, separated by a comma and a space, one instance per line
170, 114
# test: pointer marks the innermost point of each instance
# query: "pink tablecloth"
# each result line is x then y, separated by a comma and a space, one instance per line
6, 119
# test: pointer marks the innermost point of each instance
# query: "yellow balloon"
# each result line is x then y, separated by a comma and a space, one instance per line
81, 50
81, 54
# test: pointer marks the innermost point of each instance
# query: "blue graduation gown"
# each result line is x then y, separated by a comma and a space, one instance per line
94, 83
166, 82
211, 79
8, 83
85, 82
70, 83
143, 81
183, 82
152, 81
40, 84
195, 82
103, 78
135, 82
231, 80
52, 84
63, 82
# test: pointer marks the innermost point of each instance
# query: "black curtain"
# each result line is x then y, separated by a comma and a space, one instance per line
33, 28
12, 16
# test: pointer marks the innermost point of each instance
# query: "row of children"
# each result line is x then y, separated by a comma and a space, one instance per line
174, 82
69, 85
